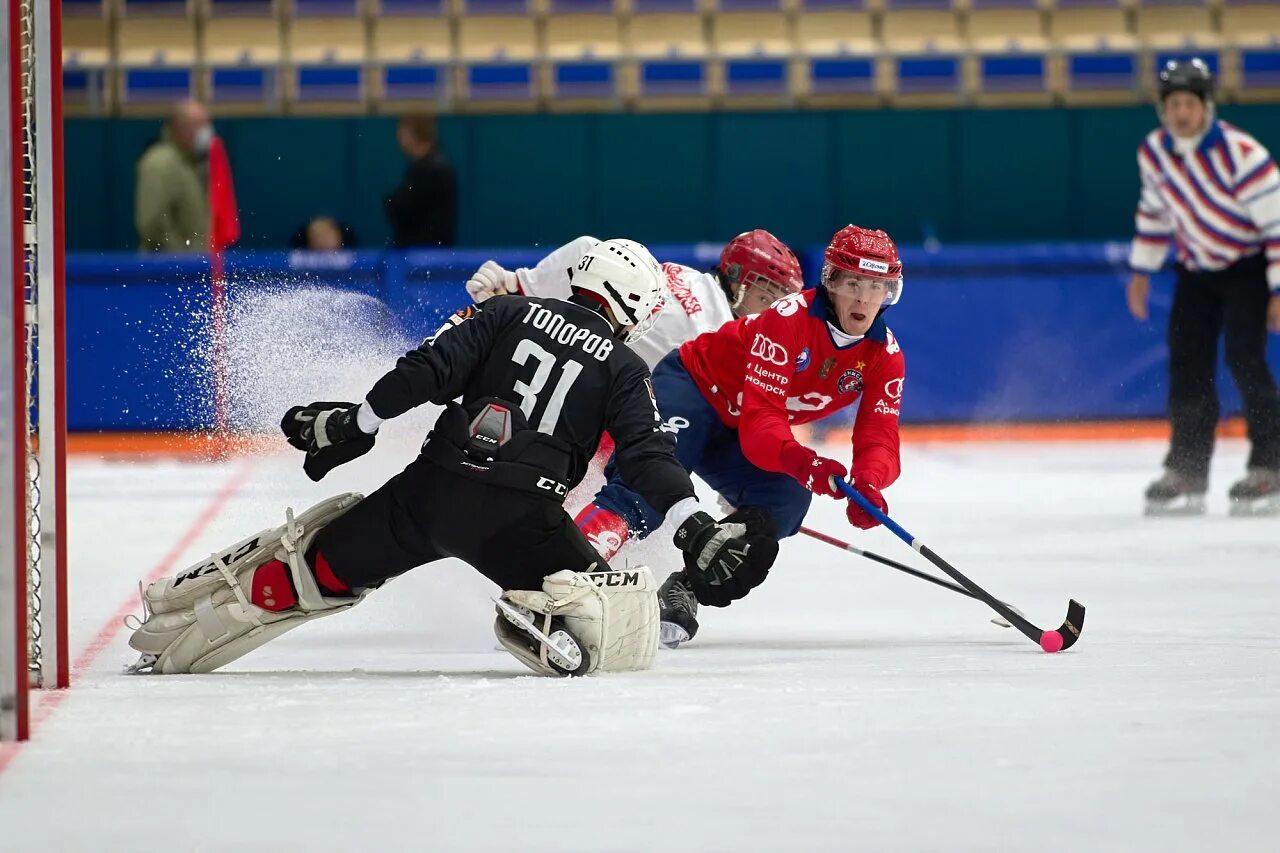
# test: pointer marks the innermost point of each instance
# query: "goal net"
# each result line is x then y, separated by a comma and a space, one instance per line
33, 641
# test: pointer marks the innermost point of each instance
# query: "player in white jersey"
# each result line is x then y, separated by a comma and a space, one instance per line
756, 269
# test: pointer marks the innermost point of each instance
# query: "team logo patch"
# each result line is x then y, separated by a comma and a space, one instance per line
827, 366
850, 382
768, 350
802, 360
456, 319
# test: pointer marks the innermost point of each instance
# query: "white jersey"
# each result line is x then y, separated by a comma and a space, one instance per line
694, 302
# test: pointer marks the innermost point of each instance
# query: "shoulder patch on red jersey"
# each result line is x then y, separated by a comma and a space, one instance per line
850, 382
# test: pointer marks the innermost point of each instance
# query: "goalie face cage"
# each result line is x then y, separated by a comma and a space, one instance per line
33, 640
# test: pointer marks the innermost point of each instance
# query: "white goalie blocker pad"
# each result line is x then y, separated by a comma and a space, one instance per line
612, 615
201, 618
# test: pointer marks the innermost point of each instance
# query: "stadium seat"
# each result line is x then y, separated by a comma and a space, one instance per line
935, 77
583, 37
1176, 23
756, 50
667, 35
671, 53
1091, 25
327, 52
410, 9
755, 5
839, 77
751, 34
498, 52
495, 7
242, 48
1259, 75
157, 54
412, 51
920, 26
837, 53
1021, 78
86, 56
1007, 25
1100, 76
582, 50
835, 33
1251, 24
650, 7
582, 7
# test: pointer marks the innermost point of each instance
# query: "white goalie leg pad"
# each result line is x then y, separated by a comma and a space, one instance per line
613, 614
202, 619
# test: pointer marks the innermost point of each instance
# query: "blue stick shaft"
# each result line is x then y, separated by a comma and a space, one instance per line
875, 513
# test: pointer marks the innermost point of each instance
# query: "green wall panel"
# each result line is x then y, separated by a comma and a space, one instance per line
653, 178
774, 171
895, 170
1011, 168
958, 175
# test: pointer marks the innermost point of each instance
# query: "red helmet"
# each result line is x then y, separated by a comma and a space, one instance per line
758, 257
870, 254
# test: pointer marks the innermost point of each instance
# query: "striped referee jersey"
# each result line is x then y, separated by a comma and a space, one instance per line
1216, 205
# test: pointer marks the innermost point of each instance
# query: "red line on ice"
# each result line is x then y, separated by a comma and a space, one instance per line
50, 700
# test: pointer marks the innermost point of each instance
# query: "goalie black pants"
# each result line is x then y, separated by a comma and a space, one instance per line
1229, 303
428, 512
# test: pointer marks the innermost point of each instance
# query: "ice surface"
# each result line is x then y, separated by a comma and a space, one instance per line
843, 706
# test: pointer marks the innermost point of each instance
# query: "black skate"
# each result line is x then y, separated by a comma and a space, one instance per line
1176, 494
1257, 494
679, 609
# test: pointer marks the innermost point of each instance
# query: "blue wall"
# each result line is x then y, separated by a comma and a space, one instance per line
959, 175
1029, 332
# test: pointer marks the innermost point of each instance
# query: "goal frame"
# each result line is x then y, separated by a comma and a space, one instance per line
33, 590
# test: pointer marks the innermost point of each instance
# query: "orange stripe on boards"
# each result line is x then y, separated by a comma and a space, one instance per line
202, 445
212, 447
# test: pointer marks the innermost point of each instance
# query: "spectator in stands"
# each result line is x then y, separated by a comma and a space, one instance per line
171, 201
423, 209
324, 234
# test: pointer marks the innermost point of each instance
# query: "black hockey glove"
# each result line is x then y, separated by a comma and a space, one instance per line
723, 561
328, 433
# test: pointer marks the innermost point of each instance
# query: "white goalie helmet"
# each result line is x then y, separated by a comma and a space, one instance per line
623, 275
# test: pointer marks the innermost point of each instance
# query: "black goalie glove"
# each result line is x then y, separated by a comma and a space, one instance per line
328, 433
722, 561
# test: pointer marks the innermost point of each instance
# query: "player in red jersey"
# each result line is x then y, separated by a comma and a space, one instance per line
730, 397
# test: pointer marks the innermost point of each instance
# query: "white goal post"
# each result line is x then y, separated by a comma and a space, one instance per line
33, 593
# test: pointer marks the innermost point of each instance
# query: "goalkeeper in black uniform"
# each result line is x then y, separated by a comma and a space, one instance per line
539, 380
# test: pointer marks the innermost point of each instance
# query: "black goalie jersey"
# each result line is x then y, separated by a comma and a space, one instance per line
556, 364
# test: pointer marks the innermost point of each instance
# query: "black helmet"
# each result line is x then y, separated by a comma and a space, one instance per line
1186, 75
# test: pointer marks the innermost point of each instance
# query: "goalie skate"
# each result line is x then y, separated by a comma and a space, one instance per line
1175, 494
1258, 494
556, 649
679, 609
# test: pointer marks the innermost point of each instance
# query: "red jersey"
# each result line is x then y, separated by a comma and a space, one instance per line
787, 365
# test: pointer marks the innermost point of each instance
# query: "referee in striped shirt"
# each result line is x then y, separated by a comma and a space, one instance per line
1213, 192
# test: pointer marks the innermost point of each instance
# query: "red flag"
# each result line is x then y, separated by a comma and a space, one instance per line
224, 219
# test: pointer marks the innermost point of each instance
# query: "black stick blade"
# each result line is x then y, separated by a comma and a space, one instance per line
1071, 629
